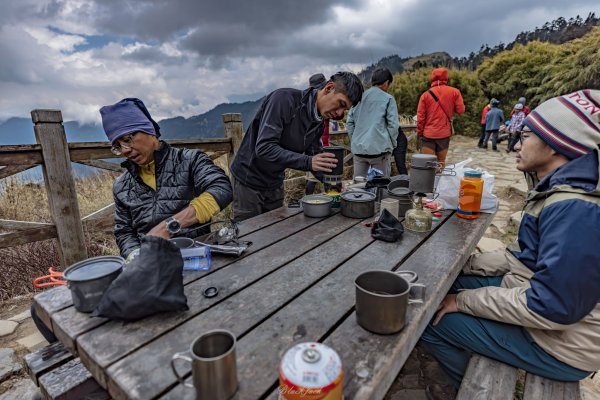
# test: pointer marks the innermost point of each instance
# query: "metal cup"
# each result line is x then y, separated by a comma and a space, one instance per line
382, 298
214, 371
182, 242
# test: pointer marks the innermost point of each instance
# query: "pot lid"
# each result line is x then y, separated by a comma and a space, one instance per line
93, 268
357, 196
424, 161
400, 191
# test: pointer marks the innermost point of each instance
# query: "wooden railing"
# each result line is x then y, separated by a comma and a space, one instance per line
54, 154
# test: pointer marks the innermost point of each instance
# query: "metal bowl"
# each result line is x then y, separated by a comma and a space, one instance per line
316, 205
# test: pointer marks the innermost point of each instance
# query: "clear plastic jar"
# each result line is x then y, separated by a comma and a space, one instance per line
469, 195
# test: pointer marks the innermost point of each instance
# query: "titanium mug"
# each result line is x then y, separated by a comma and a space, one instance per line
182, 242
382, 298
214, 371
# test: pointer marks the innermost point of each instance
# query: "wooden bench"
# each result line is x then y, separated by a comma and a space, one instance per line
60, 376
493, 380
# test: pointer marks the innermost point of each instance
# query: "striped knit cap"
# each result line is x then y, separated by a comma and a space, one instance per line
570, 124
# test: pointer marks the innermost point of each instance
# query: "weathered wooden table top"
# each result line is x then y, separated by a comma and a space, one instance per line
294, 284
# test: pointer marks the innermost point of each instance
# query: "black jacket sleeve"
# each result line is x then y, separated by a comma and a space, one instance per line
126, 237
278, 111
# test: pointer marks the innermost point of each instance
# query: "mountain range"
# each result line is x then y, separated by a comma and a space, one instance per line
208, 125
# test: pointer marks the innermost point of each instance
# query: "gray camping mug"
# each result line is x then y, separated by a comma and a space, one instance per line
382, 298
182, 242
214, 371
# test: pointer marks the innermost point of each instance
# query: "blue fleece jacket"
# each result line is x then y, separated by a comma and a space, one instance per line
493, 119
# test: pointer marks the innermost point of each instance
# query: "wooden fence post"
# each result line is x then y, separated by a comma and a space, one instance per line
234, 130
60, 186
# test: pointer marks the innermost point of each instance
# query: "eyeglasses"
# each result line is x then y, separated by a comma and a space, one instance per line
126, 142
522, 137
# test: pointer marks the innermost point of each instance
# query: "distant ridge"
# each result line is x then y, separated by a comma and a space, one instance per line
208, 125
558, 31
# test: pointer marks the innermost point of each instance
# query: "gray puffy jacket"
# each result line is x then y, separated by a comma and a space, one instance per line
181, 175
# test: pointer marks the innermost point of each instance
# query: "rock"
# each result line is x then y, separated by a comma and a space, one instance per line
408, 394
515, 219
432, 371
7, 327
412, 364
33, 342
21, 317
20, 390
410, 381
487, 245
8, 366
519, 187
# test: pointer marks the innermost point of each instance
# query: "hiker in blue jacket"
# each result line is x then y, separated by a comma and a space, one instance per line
493, 120
536, 306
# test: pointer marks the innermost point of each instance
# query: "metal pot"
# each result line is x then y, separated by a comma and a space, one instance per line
89, 279
316, 205
422, 173
358, 204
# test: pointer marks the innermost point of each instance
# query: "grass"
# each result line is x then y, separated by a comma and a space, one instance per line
27, 201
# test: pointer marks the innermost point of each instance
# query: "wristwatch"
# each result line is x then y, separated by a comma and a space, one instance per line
173, 225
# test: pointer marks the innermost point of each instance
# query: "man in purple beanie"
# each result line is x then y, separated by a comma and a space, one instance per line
536, 306
166, 191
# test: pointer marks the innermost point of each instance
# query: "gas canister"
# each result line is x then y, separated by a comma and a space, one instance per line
310, 371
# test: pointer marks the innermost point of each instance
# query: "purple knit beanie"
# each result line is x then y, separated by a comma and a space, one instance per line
126, 117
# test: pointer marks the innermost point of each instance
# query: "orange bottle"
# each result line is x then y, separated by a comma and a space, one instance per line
469, 195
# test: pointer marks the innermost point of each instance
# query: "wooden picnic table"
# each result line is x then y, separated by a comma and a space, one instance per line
294, 284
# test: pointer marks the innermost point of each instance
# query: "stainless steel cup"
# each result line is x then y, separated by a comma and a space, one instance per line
382, 298
182, 242
214, 371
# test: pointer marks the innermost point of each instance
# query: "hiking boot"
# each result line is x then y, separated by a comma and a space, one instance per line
436, 391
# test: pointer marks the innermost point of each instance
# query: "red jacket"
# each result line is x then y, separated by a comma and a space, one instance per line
484, 113
433, 117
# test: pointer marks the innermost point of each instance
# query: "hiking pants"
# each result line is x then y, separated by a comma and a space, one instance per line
457, 335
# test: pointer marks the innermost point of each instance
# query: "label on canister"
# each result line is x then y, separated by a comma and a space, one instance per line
310, 371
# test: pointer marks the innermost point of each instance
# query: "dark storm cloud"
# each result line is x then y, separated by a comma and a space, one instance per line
163, 20
218, 31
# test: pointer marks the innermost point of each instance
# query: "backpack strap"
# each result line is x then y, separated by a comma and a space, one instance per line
439, 105
433, 95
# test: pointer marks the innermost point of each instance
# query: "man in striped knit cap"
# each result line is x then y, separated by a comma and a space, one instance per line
536, 305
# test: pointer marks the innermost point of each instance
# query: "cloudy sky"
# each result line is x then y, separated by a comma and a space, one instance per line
183, 57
